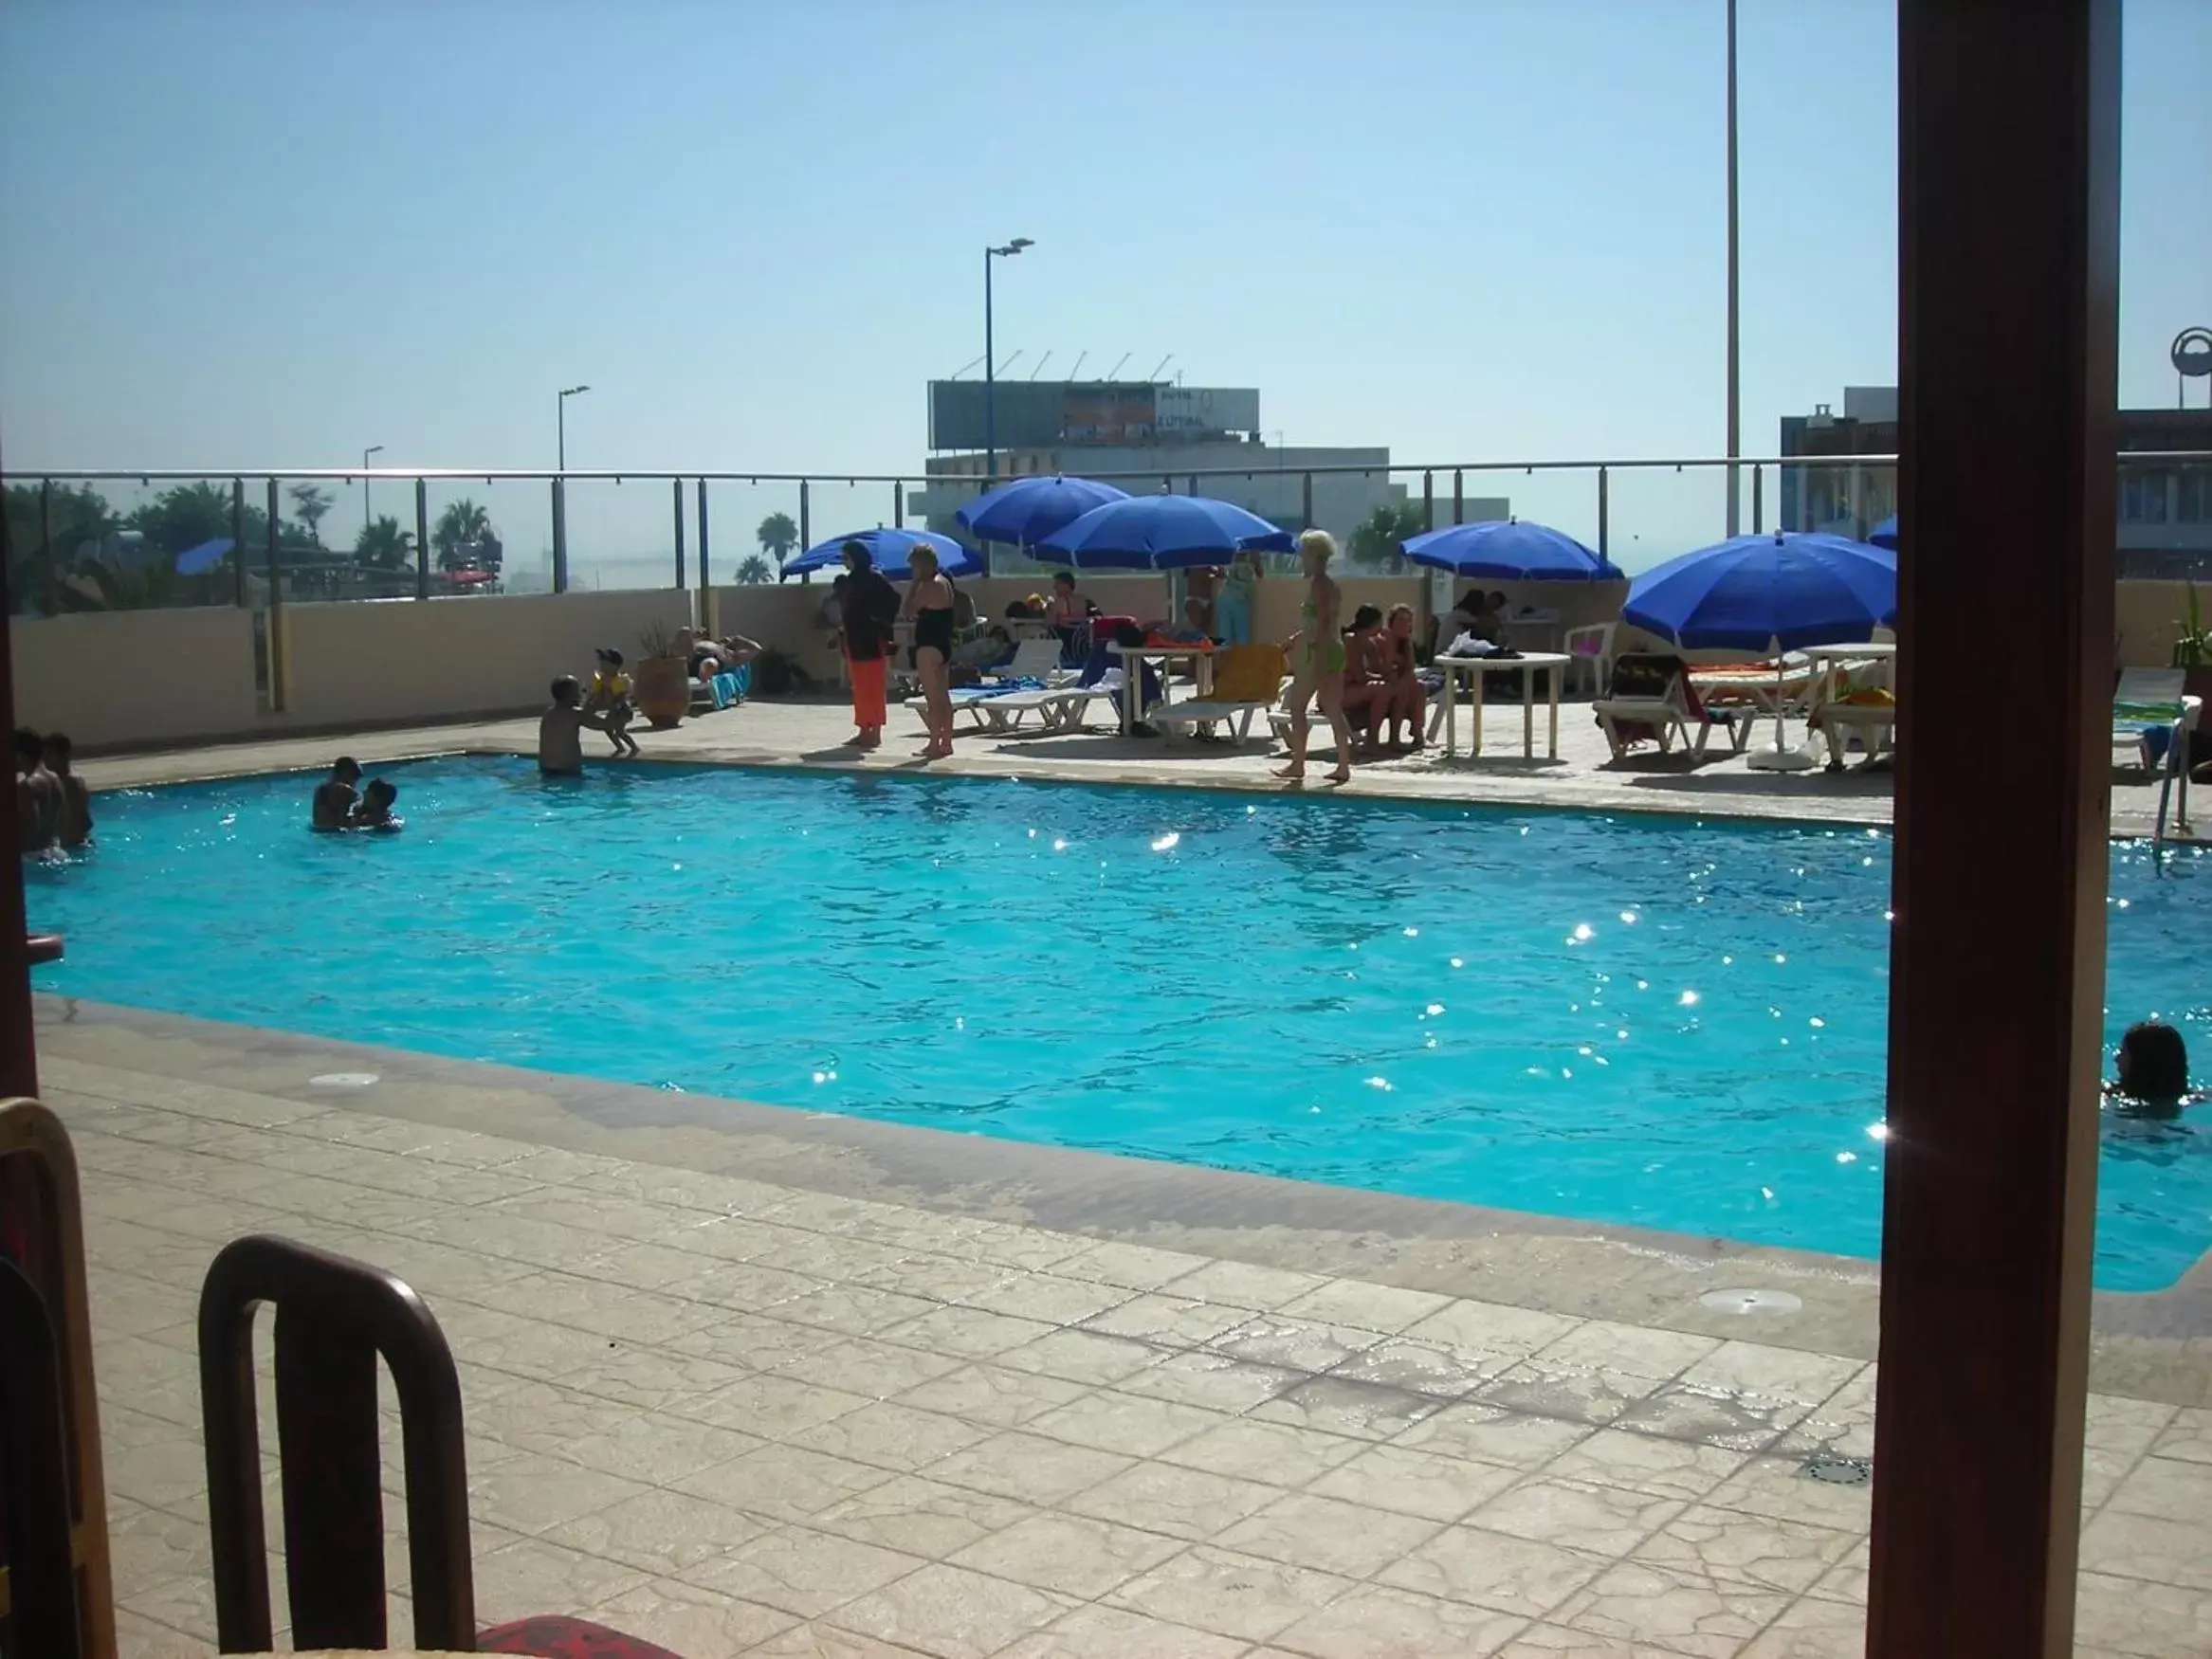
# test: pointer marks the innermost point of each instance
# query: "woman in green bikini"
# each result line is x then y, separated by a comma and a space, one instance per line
1319, 659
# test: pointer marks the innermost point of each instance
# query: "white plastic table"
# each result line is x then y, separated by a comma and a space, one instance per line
1827, 660
1528, 667
1201, 658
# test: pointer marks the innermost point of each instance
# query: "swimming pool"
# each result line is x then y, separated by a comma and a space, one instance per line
1634, 1020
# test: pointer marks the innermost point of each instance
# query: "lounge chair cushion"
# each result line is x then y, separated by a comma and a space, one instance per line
1248, 674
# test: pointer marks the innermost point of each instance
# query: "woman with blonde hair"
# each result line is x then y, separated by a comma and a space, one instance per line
1318, 652
929, 602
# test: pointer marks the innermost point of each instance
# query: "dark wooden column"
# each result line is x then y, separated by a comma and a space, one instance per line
2008, 163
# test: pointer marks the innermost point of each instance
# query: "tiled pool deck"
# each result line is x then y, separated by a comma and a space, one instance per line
749, 1381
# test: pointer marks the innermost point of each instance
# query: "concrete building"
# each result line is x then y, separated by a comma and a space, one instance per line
2164, 512
1149, 436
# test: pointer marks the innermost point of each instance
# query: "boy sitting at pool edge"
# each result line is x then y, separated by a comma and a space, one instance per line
560, 730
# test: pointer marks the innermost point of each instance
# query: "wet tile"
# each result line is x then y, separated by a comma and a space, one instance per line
1780, 1487
1168, 1320
1608, 1521
921, 1517
2146, 1546
1241, 1285
1218, 1382
951, 1612
1271, 1453
993, 1394
768, 1408
1294, 1345
1131, 1267
1376, 1622
662, 1533
1511, 1574
1730, 1546
1691, 1615
1372, 1308
890, 1436
1493, 1435
1601, 1346
1049, 1298
1644, 1462
531, 1494
968, 1333
1028, 1467
2134, 1617
799, 1571
1813, 1629
685, 1619
1135, 1425
2171, 1488
1228, 1594
1781, 1374
1338, 1405
853, 1309
1183, 1503
1402, 1362
1329, 1535
1073, 1555
1736, 1422
1079, 1356
783, 1483
1412, 1481
1544, 1388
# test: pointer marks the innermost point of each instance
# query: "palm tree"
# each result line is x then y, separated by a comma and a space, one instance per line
461, 529
753, 569
777, 536
1374, 542
384, 545
310, 501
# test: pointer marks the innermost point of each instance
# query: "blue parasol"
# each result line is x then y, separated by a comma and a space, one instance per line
1780, 591
1026, 511
893, 552
1884, 534
1163, 533
194, 562
1509, 550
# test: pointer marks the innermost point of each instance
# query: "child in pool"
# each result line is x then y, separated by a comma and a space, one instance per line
375, 812
609, 698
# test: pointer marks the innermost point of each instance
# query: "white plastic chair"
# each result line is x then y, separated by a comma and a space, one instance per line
1591, 648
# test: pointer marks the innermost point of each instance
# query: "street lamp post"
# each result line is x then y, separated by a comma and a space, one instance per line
560, 404
1735, 405
990, 367
372, 450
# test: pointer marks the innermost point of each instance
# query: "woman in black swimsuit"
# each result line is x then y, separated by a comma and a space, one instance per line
929, 602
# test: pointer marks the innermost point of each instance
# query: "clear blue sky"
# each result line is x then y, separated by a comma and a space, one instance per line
258, 233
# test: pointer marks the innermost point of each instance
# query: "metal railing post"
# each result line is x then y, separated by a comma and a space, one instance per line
50, 566
422, 538
1428, 501
1458, 495
1759, 501
1193, 489
683, 574
560, 536
898, 504
1857, 529
1605, 550
276, 610
1306, 502
705, 569
806, 517
238, 569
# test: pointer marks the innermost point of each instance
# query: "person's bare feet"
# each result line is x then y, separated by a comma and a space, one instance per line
1294, 771
1341, 774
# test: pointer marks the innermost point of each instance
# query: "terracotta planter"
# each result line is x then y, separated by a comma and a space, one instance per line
663, 691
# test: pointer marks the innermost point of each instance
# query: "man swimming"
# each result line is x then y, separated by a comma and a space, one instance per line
334, 798
560, 730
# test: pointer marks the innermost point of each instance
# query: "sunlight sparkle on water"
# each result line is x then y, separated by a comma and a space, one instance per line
1166, 842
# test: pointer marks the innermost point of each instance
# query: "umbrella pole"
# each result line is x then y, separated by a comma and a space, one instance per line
1780, 757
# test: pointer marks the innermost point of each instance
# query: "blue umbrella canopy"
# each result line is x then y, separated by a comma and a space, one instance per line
1026, 511
198, 561
893, 550
1509, 550
1163, 533
1884, 534
1754, 592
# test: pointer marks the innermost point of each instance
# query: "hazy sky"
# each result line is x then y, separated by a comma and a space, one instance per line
267, 234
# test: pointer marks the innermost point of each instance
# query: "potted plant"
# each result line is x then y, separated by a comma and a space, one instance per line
662, 685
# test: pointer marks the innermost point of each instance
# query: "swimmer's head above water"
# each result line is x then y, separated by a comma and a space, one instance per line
2153, 1062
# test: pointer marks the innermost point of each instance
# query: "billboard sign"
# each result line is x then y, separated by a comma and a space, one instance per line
1106, 412
1208, 409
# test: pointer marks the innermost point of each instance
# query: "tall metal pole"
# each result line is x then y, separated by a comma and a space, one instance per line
990, 380
560, 421
1735, 399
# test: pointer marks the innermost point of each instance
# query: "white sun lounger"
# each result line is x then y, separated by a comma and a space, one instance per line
1668, 714
2148, 699
1057, 708
1195, 712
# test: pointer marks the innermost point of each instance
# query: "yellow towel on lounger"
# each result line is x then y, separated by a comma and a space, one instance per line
1247, 674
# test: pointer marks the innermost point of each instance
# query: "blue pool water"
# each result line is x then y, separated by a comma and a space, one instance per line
1633, 1020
